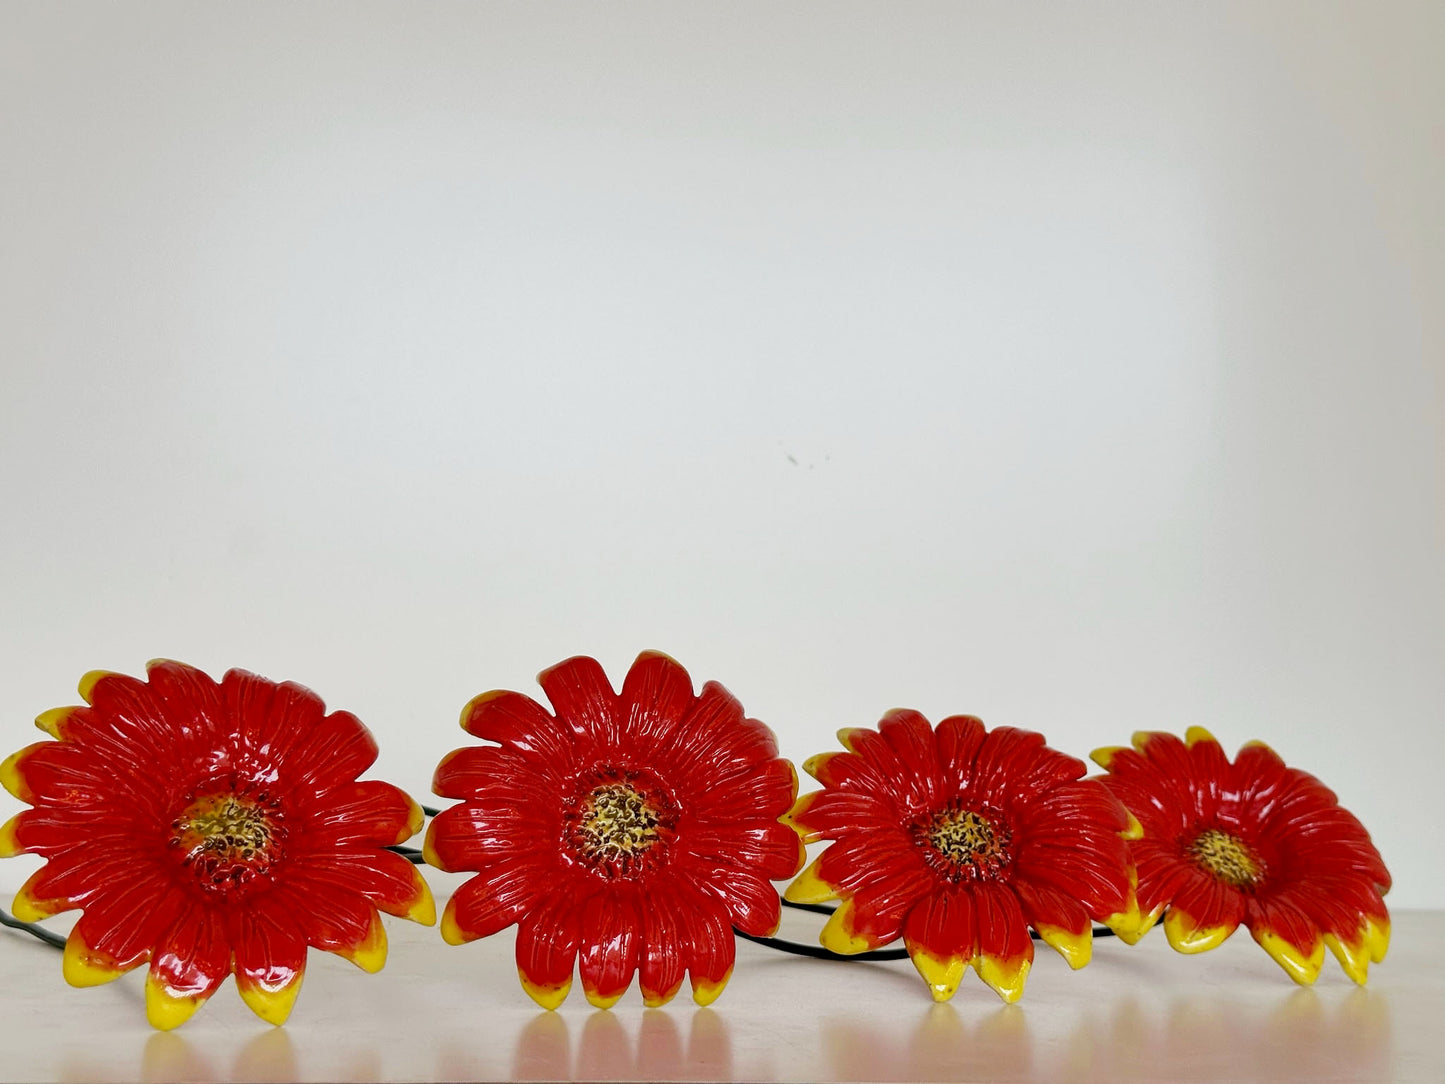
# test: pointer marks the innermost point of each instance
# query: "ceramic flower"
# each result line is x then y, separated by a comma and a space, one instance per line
960, 839
209, 828
623, 832
1253, 842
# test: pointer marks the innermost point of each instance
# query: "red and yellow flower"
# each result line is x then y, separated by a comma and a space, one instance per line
209, 828
959, 839
622, 832
1254, 843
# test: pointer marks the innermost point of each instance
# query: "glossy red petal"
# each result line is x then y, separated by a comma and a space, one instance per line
333, 919
852, 774
608, 953
1045, 905
859, 860
474, 771
943, 925
656, 698
711, 952
829, 813
80, 873
1276, 915
547, 940
876, 914
123, 923
583, 700
270, 958
493, 900
959, 737
368, 812
384, 877
193, 957
1002, 931
765, 848
1005, 760
466, 837
750, 902
902, 749
663, 957
715, 740
69, 774
519, 723
1209, 901
762, 790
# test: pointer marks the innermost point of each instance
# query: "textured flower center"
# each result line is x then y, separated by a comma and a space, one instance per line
617, 825
1227, 857
227, 840
963, 844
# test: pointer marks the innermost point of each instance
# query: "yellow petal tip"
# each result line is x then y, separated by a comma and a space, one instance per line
942, 974
598, 1001
1104, 756
271, 1005
9, 842
1196, 734
1186, 935
88, 682
166, 1010
1006, 977
1303, 967
549, 997
82, 966
839, 936
808, 887
1075, 948
705, 992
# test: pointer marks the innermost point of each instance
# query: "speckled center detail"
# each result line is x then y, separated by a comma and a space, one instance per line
617, 825
227, 840
1228, 858
964, 844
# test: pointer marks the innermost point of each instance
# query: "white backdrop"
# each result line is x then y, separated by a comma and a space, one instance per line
1081, 367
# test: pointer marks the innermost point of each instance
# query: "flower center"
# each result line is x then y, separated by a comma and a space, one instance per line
1227, 857
227, 840
963, 844
616, 825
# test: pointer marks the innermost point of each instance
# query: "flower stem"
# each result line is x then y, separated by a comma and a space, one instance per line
50, 937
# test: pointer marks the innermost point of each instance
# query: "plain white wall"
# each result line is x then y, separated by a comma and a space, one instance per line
1082, 367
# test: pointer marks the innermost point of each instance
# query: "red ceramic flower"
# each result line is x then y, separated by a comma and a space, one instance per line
209, 829
960, 839
1252, 842
626, 832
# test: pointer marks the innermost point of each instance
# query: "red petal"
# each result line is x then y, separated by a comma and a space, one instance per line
493, 900
849, 773
765, 848
193, 957
828, 813
84, 871
712, 947
943, 925
583, 699
1209, 901
656, 698
715, 741
92, 775
547, 939
470, 837
859, 860
384, 877
664, 934
903, 750
270, 950
750, 902
370, 813
1273, 914
878, 912
519, 723
761, 790
1002, 931
1005, 759
503, 773
1045, 905
333, 919
959, 739
608, 955
126, 922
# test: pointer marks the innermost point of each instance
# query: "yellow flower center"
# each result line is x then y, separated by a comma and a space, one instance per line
617, 825
227, 840
1227, 857
963, 844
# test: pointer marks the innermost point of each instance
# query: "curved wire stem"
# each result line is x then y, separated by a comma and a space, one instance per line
411, 854
50, 937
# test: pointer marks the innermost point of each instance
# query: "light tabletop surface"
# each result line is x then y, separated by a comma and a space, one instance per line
439, 1012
